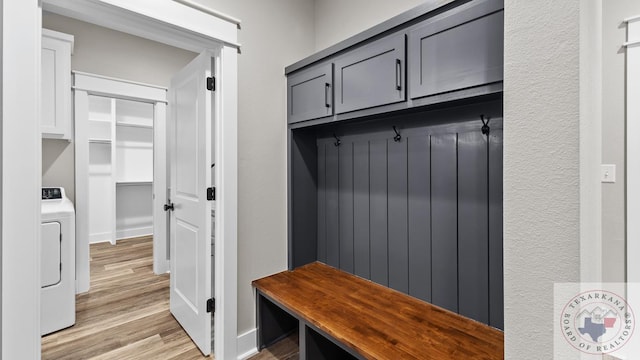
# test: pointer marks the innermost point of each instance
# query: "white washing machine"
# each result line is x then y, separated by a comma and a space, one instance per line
58, 265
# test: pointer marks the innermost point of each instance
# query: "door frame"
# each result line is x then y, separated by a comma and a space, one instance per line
168, 22
85, 85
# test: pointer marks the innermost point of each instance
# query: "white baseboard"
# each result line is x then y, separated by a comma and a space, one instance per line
247, 344
134, 232
100, 237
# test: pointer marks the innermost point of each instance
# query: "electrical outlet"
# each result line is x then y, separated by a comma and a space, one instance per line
608, 173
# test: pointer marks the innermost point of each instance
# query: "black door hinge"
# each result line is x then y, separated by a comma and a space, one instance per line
211, 83
211, 193
211, 305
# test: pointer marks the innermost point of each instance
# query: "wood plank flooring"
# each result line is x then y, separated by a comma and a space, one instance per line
285, 349
125, 315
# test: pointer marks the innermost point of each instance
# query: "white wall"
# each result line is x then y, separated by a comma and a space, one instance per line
613, 134
108, 52
1, 167
57, 165
336, 20
112, 53
590, 140
541, 168
20, 180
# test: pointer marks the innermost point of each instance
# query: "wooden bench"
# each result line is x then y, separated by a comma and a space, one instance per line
342, 316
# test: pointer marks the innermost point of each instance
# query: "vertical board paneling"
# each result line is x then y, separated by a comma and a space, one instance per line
444, 247
419, 217
496, 309
322, 204
304, 198
397, 219
378, 211
332, 206
422, 215
473, 242
346, 206
361, 208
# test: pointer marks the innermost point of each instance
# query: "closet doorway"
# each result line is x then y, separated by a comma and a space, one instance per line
121, 166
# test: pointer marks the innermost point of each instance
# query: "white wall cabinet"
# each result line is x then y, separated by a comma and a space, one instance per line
120, 168
57, 49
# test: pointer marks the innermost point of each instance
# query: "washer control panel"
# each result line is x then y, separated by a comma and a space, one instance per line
51, 193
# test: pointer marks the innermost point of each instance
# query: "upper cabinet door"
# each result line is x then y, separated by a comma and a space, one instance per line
56, 85
310, 93
372, 75
461, 50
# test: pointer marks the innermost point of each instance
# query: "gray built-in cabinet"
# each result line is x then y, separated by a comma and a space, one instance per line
310, 93
392, 176
371, 75
459, 51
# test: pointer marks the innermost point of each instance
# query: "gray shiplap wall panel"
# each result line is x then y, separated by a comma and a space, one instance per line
378, 211
332, 206
423, 215
361, 208
419, 217
322, 204
473, 227
496, 290
346, 206
444, 246
397, 219
303, 220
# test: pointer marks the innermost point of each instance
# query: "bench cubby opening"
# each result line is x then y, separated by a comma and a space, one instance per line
274, 323
318, 347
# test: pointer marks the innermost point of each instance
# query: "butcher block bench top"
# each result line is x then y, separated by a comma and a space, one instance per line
378, 322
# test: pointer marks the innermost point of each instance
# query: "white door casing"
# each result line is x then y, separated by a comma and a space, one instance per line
191, 121
633, 148
632, 170
160, 180
163, 22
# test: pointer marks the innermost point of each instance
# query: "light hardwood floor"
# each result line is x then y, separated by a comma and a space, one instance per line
285, 349
125, 315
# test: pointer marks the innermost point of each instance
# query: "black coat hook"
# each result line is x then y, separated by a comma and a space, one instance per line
485, 125
337, 143
397, 137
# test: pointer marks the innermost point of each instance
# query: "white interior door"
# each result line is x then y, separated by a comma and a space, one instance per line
191, 119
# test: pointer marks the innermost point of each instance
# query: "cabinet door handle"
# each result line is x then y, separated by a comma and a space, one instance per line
398, 75
327, 88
